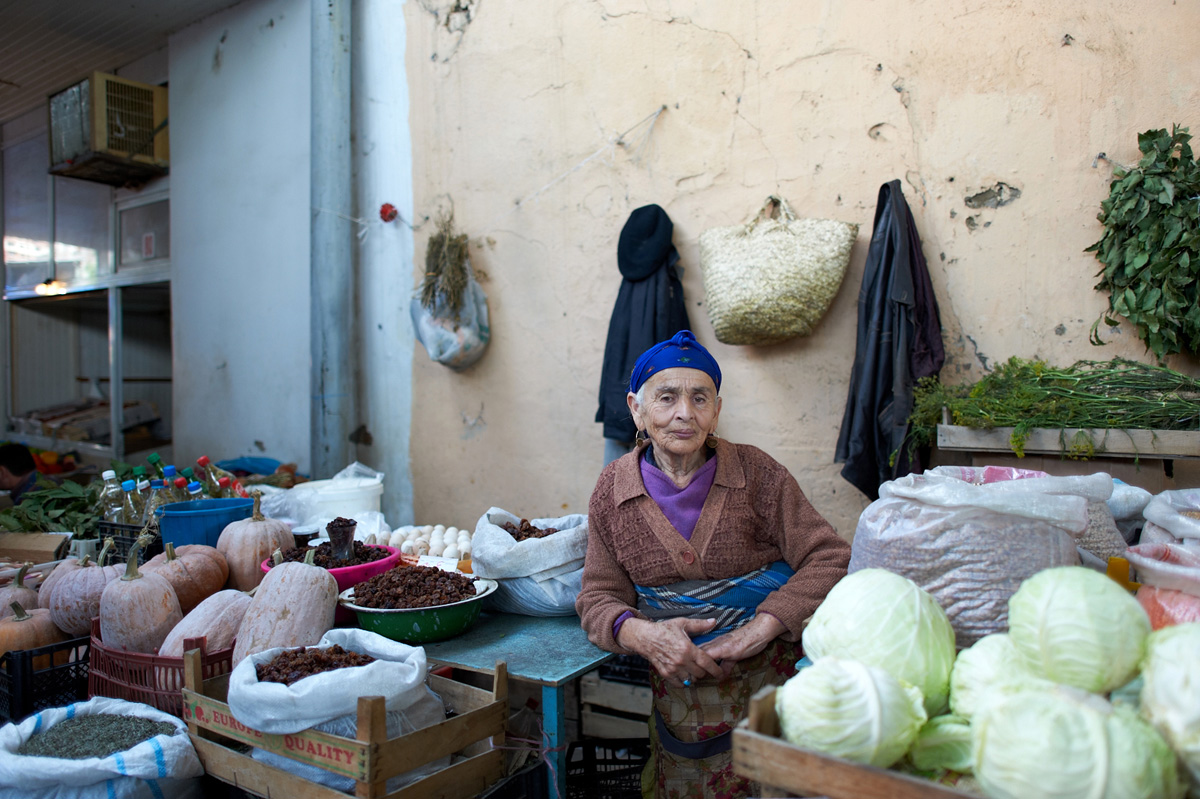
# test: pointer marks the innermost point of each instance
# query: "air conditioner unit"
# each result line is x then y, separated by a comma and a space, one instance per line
110, 130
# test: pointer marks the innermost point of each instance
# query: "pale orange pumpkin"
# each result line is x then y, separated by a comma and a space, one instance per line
246, 543
76, 597
195, 571
293, 606
139, 609
216, 619
29, 630
60, 571
17, 592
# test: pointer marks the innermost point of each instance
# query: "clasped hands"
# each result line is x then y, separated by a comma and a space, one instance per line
668, 645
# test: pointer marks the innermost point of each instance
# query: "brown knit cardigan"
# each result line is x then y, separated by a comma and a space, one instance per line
755, 514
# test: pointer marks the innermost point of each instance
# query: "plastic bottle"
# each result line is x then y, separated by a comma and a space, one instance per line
139, 473
156, 465
190, 474
111, 498
158, 497
179, 490
168, 478
131, 507
143, 490
195, 491
224, 489
215, 473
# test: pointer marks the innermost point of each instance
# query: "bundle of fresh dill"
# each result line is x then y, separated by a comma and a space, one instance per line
1028, 394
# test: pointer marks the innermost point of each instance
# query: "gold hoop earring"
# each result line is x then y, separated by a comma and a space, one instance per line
640, 437
712, 440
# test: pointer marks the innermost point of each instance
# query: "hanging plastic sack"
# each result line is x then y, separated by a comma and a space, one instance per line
971, 546
774, 276
328, 701
165, 765
450, 314
537, 576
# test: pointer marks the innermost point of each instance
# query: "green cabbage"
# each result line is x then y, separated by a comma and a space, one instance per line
1064, 743
851, 710
1171, 690
943, 743
1077, 627
885, 620
988, 669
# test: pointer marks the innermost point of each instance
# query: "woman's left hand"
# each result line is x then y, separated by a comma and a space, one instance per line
746, 641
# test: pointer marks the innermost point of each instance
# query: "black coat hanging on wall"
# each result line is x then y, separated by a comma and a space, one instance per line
899, 341
649, 309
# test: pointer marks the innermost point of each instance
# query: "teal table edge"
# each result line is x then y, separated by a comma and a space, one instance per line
549, 651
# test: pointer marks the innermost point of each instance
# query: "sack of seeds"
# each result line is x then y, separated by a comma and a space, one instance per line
971, 546
1173, 517
98, 749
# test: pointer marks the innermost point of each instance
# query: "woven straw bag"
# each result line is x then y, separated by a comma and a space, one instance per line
773, 277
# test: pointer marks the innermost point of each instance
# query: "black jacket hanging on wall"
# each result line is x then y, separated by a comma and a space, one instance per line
899, 341
649, 309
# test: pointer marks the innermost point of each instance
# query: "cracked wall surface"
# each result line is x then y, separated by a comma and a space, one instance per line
532, 120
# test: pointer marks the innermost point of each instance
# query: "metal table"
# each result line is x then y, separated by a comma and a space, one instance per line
548, 651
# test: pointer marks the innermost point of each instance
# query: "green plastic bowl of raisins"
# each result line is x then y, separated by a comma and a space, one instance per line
421, 625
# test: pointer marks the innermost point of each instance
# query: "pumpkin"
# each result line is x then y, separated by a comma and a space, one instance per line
60, 571
29, 630
139, 609
293, 606
17, 592
195, 571
246, 543
76, 597
216, 619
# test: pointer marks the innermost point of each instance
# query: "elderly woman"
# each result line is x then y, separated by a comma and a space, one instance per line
705, 558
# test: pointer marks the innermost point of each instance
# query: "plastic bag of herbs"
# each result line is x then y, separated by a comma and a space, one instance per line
114, 749
450, 313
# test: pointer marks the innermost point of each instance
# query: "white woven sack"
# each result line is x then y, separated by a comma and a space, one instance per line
496, 555
773, 277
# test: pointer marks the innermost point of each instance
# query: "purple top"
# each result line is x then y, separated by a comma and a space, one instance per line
681, 506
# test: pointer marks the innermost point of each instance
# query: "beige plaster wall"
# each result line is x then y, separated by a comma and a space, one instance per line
518, 111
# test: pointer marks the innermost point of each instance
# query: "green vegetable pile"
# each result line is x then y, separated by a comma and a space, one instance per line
1028, 394
51, 508
1150, 249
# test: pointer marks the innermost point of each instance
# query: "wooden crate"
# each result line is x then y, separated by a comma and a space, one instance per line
599, 697
370, 759
784, 769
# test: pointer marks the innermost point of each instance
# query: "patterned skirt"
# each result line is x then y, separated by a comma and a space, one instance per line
706, 711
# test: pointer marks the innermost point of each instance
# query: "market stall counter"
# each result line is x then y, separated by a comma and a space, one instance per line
550, 651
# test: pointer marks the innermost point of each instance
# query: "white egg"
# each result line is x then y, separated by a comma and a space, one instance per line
420, 548
450, 552
464, 536
427, 528
436, 550
406, 547
465, 552
452, 531
396, 539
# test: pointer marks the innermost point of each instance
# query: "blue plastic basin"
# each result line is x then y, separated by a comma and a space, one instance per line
200, 521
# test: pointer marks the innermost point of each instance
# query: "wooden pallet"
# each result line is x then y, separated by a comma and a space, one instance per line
1114, 443
784, 769
475, 734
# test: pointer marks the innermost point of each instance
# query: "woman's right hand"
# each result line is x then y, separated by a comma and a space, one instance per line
669, 648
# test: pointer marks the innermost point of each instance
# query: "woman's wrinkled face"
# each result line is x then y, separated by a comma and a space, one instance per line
679, 410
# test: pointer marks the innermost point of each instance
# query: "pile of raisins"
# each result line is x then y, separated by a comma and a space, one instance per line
527, 530
413, 587
295, 664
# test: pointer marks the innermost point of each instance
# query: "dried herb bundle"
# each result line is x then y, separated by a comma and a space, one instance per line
446, 271
1116, 394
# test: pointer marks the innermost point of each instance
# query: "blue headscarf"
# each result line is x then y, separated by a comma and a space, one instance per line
681, 350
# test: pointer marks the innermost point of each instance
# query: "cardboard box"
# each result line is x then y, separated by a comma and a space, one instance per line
34, 547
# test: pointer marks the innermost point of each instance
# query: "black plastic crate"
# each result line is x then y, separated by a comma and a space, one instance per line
530, 782
25, 689
633, 669
124, 536
603, 768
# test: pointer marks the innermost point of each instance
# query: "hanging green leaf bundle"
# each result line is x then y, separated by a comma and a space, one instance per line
1150, 249
1028, 394
446, 267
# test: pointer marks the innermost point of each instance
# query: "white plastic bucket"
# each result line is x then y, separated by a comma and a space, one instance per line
345, 497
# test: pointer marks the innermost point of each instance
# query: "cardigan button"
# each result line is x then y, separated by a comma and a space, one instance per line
688, 557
